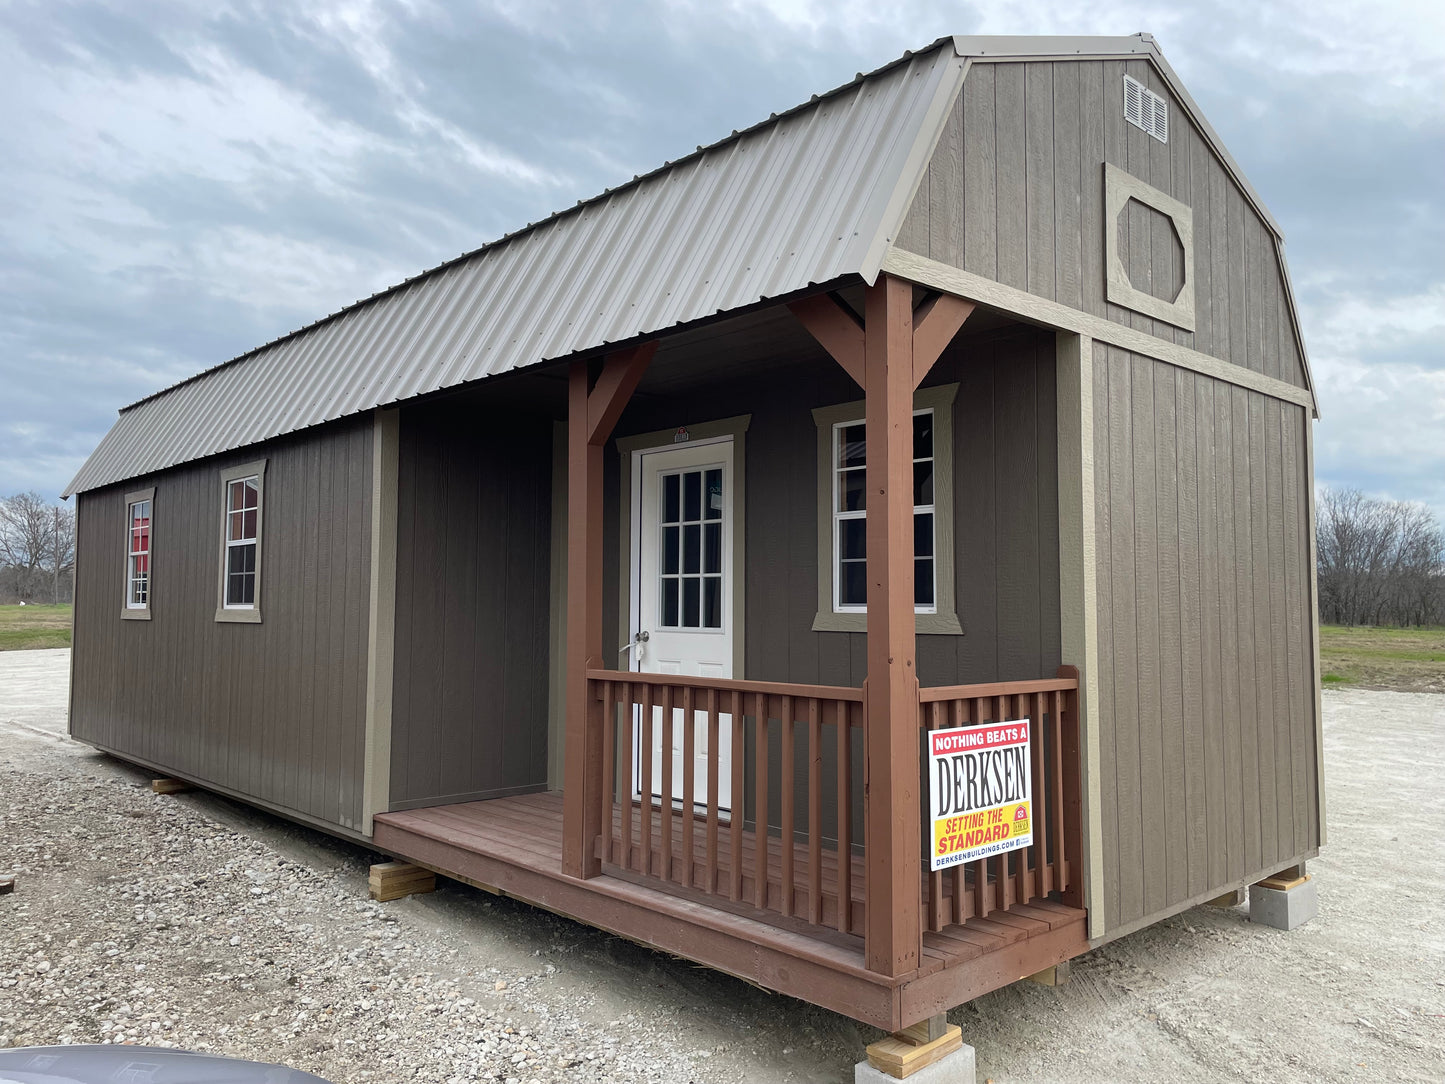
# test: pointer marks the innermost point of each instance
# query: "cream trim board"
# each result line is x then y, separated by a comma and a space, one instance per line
1119, 188
381, 624
127, 611
944, 621
1079, 589
736, 429
250, 615
1042, 312
1314, 582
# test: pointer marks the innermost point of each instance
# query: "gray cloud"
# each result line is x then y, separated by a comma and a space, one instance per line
187, 180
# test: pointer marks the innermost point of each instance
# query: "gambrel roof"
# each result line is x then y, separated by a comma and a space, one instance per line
809, 196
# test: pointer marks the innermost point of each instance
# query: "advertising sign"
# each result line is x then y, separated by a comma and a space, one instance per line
980, 795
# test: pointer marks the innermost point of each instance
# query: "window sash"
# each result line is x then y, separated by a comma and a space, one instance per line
243, 512
138, 553
841, 516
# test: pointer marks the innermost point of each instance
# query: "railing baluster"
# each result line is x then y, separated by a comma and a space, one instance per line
760, 799
739, 801
664, 805
629, 698
1060, 843
710, 873
815, 812
1043, 872
644, 752
688, 822
787, 797
609, 763
845, 817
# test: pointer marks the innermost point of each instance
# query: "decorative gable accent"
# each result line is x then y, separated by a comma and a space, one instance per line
1119, 188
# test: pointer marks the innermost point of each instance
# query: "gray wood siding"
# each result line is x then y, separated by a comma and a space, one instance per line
1015, 192
1005, 509
1205, 718
469, 715
275, 710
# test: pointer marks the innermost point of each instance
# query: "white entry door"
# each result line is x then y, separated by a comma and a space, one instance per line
682, 604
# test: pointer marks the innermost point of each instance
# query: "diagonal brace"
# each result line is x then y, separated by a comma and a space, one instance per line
935, 323
619, 378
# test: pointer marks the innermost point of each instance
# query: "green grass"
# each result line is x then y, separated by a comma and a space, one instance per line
24, 627
1410, 659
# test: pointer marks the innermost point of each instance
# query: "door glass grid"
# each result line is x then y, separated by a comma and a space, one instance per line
691, 519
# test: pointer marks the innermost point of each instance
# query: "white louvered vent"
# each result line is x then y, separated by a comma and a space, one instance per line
1145, 109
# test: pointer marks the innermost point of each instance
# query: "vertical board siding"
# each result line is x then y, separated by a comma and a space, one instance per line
274, 710
1014, 192
469, 717
1206, 727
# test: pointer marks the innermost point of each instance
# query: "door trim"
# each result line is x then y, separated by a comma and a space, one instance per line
628, 448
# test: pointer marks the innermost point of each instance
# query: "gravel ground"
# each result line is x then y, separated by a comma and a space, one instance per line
198, 922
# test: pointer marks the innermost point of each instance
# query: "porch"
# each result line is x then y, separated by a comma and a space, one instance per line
785, 907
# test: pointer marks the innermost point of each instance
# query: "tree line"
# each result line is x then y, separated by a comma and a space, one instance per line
1380, 562
37, 550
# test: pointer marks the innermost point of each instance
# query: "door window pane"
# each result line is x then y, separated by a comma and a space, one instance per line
691, 562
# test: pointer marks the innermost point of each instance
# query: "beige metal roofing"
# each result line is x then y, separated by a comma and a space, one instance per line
806, 197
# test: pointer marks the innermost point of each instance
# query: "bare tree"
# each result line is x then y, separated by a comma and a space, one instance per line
37, 548
1380, 562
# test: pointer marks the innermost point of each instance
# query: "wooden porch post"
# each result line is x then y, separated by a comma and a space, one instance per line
592, 412
891, 785
890, 355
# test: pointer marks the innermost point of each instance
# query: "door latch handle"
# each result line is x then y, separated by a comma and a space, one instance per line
636, 642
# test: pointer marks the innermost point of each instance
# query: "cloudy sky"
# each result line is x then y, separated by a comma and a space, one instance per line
180, 181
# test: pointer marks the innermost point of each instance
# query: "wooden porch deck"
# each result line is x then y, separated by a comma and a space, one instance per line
514, 845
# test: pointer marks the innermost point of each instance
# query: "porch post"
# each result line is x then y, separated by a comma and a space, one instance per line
891, 840
592, 412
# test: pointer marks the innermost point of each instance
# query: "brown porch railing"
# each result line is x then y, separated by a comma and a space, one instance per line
1051, 864
787, 843
796, 858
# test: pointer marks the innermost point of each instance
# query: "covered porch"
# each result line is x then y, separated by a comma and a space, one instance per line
776, 830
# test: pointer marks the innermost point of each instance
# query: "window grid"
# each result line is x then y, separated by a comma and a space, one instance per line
242, 514
690, 523
138, 556
850, 562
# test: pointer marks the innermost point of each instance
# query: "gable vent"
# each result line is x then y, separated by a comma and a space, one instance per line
1145, 109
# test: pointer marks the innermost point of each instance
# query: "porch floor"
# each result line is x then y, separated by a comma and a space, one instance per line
514, 845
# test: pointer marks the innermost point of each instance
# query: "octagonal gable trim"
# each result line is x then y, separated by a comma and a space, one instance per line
1119, 188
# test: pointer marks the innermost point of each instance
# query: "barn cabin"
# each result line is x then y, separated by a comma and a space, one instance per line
626, 564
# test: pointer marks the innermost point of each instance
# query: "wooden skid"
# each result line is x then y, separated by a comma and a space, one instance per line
169, 786
903, 1054
1283, 884
393, 880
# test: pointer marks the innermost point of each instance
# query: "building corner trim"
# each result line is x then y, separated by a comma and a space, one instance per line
381, 616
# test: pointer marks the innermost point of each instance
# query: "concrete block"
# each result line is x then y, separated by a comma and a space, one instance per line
1284, 909
955, 1068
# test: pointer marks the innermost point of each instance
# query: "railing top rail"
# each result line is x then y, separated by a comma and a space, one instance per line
998, 688
771, 688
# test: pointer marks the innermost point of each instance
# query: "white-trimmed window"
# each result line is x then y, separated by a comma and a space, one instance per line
842, 514
139, 516
242, 490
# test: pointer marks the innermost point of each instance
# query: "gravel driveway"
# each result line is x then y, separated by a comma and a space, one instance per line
194, 921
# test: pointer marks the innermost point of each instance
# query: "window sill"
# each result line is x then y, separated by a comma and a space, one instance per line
135, 615
941, 624
239, 617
